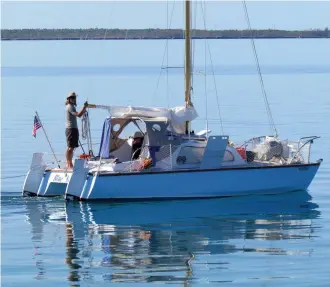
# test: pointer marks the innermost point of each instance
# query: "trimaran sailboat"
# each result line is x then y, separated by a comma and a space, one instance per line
166, 160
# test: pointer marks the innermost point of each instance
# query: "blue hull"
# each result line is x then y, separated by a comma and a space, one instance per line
197, 183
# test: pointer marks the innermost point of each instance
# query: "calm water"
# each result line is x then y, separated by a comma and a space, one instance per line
244, 241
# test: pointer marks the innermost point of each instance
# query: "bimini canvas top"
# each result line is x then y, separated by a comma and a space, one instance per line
176, 116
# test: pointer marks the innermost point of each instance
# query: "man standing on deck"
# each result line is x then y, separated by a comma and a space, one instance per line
71, 127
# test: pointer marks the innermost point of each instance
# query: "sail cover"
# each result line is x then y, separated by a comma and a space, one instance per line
176, 116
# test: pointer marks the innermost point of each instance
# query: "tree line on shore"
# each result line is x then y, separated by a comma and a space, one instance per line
111, 34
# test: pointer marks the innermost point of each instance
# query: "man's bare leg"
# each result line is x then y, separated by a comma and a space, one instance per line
69, 156
66, 157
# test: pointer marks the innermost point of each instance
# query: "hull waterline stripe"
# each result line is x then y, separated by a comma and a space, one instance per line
303, 166
70, 197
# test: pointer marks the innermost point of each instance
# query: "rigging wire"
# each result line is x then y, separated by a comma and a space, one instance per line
110, 16
215, 84
167, 45
86, 126
205, 78
269, 113
193, 46
166, 49
183, 46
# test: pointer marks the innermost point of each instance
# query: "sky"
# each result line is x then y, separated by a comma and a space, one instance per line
122, 14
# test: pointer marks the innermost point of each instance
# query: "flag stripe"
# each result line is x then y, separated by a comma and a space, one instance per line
36, 126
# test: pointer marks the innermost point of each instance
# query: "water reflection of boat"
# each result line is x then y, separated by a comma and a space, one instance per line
140, 242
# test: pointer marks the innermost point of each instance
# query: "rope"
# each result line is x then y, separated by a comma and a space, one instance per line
86, 132
14, 176
33, 168
269, 113
84, 126
23, 175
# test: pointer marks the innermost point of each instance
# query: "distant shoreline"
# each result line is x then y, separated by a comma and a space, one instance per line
154, 34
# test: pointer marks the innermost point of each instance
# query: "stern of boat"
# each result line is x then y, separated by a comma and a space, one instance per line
35, 175
43, 179
78, 180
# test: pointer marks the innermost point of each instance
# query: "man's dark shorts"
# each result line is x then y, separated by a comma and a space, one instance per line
72, 137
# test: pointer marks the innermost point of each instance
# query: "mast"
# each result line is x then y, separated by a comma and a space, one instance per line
187, 60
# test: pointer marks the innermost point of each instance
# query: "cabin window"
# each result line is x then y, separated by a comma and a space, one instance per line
228, 156
156, 127
116, 127
190, 155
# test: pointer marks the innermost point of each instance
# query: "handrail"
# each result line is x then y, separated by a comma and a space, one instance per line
311, 139
140, 148
251, 139
131, 162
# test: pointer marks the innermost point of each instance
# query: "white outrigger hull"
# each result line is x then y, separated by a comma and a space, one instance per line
196, 183
51, 183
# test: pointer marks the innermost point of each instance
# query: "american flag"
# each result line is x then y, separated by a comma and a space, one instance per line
36, 126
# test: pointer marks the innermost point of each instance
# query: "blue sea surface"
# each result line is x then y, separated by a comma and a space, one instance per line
278, 240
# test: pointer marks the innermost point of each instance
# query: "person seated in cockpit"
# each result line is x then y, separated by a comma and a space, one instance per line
137, 144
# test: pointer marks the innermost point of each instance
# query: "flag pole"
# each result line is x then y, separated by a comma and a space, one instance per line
48, 140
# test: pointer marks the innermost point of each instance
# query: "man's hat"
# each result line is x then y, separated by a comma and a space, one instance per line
71, 95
